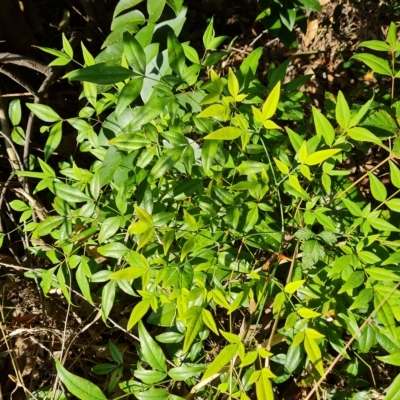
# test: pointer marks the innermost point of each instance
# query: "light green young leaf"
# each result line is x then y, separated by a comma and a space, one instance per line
212, 111
314, 353
233, 84
343, 115
293, 286
67, 47
79, 387
376, 63
138, 312
323, 127
223, 358
209, 321
271, 104
295, 139
391, 37
185, 372
264, 389
394, 205
320, 156
208, 35
307, 313
355, 280
227, 133
151, 351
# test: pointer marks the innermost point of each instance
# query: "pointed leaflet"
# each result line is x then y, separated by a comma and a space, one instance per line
69, 193
363, 135
227, 133
323, 127
103, 74
314, 353
128, 94
176, 55
53, 141
393, 392
272, 101
193, 327
151, 351
264, 386
376, 63
361, 113
222, 359
165, 163
394, 174
342, 111
134, 53
138, 312
378, 189
45, 113
320, 156
233, 84
79, 387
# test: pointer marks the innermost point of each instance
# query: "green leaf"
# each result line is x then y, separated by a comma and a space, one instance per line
193, 327
113, 250
323, 127
134, 53
151, 351
209, 321
314, 353
393, 392
368, 257
376, 45
165, 163
69, 193
363, 135
223, 358
361, 113
320, 156
149, 377
343, 115
155, 9
103, 74
394, 174
128, 20
53, 141
130, 141
271, 104
378, 189
49, 225
227, 133
352, 207
138, 312
382, 225
185, 372
79, 387
14, 111
45, 113
362, 299
124, 5
355, 280
108, 228
392, 359
176, 55
382, 274
295, 139
376, 63
153, 394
